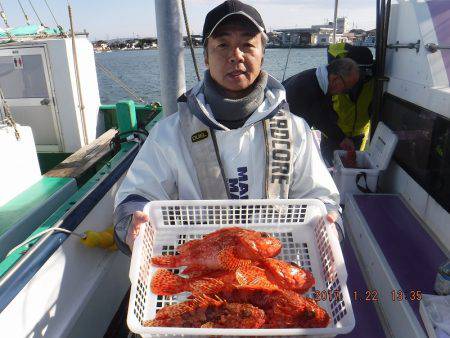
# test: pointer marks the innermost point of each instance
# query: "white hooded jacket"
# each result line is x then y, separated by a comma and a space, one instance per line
164, 168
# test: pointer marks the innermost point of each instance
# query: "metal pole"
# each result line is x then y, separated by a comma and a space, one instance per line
171, 53
77, 77
335, 20
387, 16
383, 14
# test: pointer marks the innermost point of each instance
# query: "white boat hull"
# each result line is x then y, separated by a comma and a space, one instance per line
77, 291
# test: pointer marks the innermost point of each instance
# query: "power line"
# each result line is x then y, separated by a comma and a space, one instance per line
120, 82
27, 19
3, 15
37, 15
54, 19
191, 47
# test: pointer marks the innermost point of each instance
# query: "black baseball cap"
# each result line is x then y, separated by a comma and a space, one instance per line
225, 10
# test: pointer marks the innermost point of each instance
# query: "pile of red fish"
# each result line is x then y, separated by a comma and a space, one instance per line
235, 282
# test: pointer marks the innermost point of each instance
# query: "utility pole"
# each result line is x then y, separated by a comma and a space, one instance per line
335, 20
171, 53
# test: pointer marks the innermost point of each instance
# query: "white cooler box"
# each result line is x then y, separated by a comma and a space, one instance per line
371, 162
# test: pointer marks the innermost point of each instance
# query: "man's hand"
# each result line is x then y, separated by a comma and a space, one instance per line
139, 218
331, 218
347, 144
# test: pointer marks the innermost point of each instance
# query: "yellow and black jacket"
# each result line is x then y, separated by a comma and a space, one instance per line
353, 110
307, 100
353, 116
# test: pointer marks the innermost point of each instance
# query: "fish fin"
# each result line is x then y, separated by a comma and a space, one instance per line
207, 325
229, 261
207, 286
195, 271
166, 283
166, 261
187, 246
152, 322
220, 299
175, 310
206, 300
221, 232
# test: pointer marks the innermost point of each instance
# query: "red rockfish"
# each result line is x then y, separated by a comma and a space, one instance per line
209, 313
224, 249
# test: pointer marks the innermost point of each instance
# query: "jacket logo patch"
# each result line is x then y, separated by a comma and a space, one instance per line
281, 152
201, 135
238, 187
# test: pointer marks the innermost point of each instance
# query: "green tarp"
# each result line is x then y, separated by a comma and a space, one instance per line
28, 30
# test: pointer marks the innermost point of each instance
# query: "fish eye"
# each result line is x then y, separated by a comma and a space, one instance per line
264, 235
295, 264
310, 314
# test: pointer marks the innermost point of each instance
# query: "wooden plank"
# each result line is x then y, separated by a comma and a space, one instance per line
84, 158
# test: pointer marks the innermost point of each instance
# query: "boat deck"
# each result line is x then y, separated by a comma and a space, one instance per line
398, 257
411, 252
367, 322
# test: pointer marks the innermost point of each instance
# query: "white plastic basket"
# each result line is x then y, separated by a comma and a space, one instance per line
298, 224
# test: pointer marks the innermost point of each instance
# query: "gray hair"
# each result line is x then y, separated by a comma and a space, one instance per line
343, 67
264, 40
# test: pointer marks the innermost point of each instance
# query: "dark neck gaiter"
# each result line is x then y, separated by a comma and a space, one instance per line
233, 113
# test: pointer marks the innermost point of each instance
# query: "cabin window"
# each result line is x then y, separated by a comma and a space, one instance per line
423, 148
23, 77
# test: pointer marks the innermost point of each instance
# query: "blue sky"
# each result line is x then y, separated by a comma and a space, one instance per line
118, 18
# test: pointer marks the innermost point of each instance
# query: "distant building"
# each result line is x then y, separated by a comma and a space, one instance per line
357, 31
101, 46
342, 25
324, 37
196, 40
296, 37
275, 39
351, 37
323, 26
372, 32
364, 38
320, 35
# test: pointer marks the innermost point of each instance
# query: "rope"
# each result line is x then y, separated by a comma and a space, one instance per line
191, 47
54, 19
34, 10
3, 15
9, 120
120, 82
287, 58
27, 19
28, 240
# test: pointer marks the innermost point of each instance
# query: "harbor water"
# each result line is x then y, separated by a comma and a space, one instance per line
139, 69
